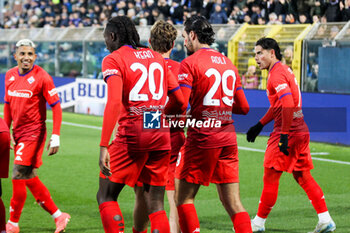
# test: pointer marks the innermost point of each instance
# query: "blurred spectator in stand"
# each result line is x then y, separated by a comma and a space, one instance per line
256, 13
164, 8
287, 58
333, 11
303, 19
315, 19
218, 16
290, 19
334, 32
345, 12
261, 21
176, 12
250, 79
273, 19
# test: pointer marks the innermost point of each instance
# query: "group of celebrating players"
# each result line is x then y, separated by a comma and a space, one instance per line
144, 80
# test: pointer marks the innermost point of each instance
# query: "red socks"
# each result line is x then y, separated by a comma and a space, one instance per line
112, 218
19, 195
135, 231
41, 195
188, 218
2, 216
313, 191
270, 191
241, 222
268, 199
159, 221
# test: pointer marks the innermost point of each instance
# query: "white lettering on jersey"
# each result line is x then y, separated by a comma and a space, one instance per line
218, 60
53, 92
109, 72
181, 77
281, 87
20, 93
143, 54
12, 78
31, 80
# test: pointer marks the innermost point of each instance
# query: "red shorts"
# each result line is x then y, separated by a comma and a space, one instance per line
128, 167
29, 153
177, 141
204, 166
4, 154
299, 158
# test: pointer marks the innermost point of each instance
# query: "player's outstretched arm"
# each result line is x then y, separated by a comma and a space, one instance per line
54, 142
240, 106
255, 130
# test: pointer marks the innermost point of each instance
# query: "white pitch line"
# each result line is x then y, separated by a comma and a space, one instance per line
313, 158
78, 125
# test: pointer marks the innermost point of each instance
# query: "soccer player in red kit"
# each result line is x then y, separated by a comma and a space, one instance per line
210, 82
4, 167
162, 39
288, 145
138, 81
27, 89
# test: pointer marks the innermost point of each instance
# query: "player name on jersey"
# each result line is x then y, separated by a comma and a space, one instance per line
218, 60
143, 54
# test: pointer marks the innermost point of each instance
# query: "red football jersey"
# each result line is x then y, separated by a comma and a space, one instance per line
146, 82
214, 81
281, 82
3, 126
27, 95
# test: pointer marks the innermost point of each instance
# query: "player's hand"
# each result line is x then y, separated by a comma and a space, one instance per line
53, 144
283, 144
13, 143
254, 131
104, 161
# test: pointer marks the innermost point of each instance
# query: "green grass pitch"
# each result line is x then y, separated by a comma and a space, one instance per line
72, 178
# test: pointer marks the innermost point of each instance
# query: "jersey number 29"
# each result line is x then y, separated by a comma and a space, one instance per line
228, 91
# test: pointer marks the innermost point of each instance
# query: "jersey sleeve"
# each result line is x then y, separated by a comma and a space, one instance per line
49, 90
280, 85
110, 67
238, 83
173, 84
6, 99
185, 76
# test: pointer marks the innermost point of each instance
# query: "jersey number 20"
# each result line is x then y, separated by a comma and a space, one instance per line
134, 94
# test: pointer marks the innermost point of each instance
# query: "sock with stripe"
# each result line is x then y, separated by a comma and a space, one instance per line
41, 195
112, 218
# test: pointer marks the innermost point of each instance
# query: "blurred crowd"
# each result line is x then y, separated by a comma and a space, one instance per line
82, 13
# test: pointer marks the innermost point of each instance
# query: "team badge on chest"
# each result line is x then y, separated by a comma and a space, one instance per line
31, 80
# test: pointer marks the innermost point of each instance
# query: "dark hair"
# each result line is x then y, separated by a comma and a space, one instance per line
202, 28
163, 35
269, 43
125, 31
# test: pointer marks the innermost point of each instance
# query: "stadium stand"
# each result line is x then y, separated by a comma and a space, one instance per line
84, 13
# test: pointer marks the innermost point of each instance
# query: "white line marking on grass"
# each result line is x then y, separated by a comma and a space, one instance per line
331, 160
313, 158
78, 125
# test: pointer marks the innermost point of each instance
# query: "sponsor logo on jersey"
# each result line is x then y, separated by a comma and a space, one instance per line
31, 80
53, 92
109, 72
20, 93
182, 77
281, 87
196, 230
18, 158
12, 78
151, 120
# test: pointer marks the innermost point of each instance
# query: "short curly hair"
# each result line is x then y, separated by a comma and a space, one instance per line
202, 28
163, 35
